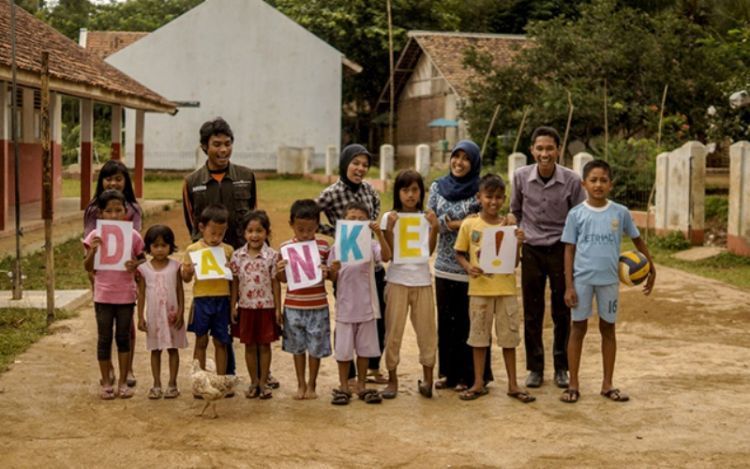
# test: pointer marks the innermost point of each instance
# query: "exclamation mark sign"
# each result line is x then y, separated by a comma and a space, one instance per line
498, 242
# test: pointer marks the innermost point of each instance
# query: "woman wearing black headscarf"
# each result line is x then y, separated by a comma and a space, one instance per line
454, 197
353, 166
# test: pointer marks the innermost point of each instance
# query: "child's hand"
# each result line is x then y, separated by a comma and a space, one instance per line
234, 315
96, 241
326, 271
131, 265
279, 318
375, 228
179, 322
432, 219
650, 281
392, 219
475, 271
453, 225
520, 235
142, 326
571, 298
188, 269
335, 267
281, 265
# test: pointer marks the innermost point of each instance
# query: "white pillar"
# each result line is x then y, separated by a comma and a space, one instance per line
681, 191
140, 155
332, 155
27, 116
422, 160
386, 161
580, 160
4, 154
307, 159
515, 161
86, 154
738, 232
55, 112
117, 133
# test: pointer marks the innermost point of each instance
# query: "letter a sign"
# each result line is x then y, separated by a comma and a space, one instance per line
303, 265
117, 244
353, 243
211, 264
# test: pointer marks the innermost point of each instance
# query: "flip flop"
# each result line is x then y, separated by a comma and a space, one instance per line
469, 395
131, 382
125, 392
442, 384
522, 396
424, 389
388, 394
171, 392
107, 393
154, 393
370, 396
570, 396
616, 395
272, 382
265, 393
252, 392
340, 397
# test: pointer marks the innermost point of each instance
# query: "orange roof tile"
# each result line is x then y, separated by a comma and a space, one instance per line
105, 43
73, 70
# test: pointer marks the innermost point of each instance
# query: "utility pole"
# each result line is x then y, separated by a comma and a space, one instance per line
48, 206
391, 87
17, 276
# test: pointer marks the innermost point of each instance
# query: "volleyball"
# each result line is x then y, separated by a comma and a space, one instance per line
634, 268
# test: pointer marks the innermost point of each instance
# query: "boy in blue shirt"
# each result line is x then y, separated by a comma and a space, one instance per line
593, 233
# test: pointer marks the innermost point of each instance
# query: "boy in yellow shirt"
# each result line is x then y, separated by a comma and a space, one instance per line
491, 296
210, 312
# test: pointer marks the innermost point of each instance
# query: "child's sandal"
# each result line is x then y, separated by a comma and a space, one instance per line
252, 392
171, 392
340, 397
125, 392
154, 393
107, 393
265, 393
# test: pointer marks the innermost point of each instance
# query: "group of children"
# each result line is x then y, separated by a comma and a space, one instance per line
249, 306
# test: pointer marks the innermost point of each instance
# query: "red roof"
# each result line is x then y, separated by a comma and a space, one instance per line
105, 43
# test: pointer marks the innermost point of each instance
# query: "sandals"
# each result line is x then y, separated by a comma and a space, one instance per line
107, 393
522, 396
616, 395
376, 377
131, 381
340, 397
154, 393
370, 396
424, 389
252, 392
125, 392
171, 392
442, 384
265, 393
388, 394
570, 396
469, 395
272, 382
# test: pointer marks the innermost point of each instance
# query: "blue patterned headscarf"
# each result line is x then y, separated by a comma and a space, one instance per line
455, 189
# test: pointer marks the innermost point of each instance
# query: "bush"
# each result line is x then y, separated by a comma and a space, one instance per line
674, 241
633, 164
717, 208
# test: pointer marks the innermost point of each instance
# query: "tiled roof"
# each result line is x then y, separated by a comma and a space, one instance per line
105, 43
69, 63
446, 51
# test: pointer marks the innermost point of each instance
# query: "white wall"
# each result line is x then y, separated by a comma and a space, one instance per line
272, 80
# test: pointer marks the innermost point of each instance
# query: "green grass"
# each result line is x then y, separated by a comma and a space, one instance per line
69, 272
19, 328
157, 189
726, 267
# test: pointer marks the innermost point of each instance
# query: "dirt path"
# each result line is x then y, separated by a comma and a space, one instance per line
684, 355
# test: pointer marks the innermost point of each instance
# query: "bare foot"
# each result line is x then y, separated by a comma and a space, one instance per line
301, 392
310, 393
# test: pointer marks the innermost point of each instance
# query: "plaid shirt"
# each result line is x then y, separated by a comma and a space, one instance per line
334, 199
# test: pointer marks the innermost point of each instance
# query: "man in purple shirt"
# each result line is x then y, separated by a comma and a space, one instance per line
543, 194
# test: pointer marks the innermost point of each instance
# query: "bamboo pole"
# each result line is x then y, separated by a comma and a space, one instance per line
17, 274
489, 130
520, 128
606, 124
661, 115
391, 84
47, 190
567, 128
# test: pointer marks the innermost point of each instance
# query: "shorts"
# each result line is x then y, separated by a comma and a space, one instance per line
256, 326
211, 313
361, 337
307, 330
606, 302
504, 310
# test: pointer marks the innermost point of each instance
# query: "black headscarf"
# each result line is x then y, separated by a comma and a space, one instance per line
347, 155
455, 189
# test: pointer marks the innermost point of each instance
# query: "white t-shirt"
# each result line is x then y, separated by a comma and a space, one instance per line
410, 275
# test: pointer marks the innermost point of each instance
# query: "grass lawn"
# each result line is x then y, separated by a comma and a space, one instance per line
158, 189
19, 328
726, 267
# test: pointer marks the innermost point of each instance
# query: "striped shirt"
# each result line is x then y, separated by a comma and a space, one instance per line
314, 297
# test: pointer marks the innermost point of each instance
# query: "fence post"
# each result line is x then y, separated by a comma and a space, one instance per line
580, 160
307, 159
738, 230
386, 161
332, 154
515, 161
422, 160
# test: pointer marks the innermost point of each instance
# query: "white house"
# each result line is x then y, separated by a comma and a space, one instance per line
276, 84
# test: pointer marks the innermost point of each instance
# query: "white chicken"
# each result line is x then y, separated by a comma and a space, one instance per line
210, 386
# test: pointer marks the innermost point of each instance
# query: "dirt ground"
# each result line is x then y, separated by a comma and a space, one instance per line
683, 358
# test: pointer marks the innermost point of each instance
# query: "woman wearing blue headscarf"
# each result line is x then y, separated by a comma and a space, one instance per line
454, 197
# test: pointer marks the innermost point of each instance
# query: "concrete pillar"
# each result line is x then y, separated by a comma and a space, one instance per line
27, 116
386, 161
681, 191
282, 155
86, 154
4, 153
332, 157
580, 160
515, 161
55, 127
307, 160
140, 123
116, 132
422, 160
738, 232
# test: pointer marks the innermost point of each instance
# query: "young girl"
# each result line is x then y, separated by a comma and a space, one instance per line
114, 298
409, 287
160, 288
256, 301
114, 176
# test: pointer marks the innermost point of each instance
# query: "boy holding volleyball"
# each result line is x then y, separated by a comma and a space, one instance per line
592, 236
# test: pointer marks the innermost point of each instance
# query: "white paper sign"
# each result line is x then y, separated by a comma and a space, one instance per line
117, 244
353, 243
303, 265
411, 239
211, 264
498, 250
